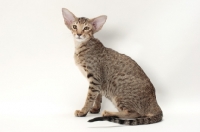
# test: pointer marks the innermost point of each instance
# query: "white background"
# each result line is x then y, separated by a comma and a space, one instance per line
40, 86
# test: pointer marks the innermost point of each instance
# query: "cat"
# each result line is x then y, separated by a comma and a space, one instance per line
111, 74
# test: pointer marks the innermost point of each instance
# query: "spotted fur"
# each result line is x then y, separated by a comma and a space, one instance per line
113, 75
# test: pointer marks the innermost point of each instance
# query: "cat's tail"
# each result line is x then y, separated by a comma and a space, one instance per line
136, 121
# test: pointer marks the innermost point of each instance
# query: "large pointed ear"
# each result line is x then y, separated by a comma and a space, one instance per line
98, 23
69, 17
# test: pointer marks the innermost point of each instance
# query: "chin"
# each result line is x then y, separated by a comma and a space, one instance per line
81, 39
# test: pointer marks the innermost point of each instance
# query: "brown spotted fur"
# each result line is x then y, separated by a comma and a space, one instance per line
115, 76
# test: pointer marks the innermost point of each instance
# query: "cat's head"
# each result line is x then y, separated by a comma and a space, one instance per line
82, 28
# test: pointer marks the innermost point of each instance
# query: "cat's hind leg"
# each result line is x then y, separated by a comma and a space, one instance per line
97, 105
122, 114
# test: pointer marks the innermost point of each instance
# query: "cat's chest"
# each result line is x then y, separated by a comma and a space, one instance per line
80, 63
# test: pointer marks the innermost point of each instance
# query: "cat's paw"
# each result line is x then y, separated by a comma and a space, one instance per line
79, 113
106, 113
95, 110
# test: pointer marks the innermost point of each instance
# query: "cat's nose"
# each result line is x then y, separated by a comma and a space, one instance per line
79, 35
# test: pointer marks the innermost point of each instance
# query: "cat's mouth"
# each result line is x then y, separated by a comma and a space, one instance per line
79, 37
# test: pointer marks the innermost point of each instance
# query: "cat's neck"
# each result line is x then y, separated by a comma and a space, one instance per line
78, 43
90, 43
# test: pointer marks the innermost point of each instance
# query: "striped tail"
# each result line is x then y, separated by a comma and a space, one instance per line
136, 121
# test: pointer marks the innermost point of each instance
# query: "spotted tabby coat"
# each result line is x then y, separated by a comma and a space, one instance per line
113, 75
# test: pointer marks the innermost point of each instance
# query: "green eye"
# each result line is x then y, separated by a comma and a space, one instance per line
86, 28
74, 27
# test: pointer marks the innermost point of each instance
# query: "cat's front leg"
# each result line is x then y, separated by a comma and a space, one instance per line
97, 105
91, 97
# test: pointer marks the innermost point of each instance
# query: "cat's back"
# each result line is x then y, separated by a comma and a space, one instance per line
117, 63
109, 62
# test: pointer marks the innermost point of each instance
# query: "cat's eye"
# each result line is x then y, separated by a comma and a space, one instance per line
86, 28
74, 27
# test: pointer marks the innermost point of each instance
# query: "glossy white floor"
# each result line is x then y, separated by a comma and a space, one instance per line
40, 86
28, 120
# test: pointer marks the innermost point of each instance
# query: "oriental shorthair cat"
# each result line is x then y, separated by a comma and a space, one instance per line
111, 74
